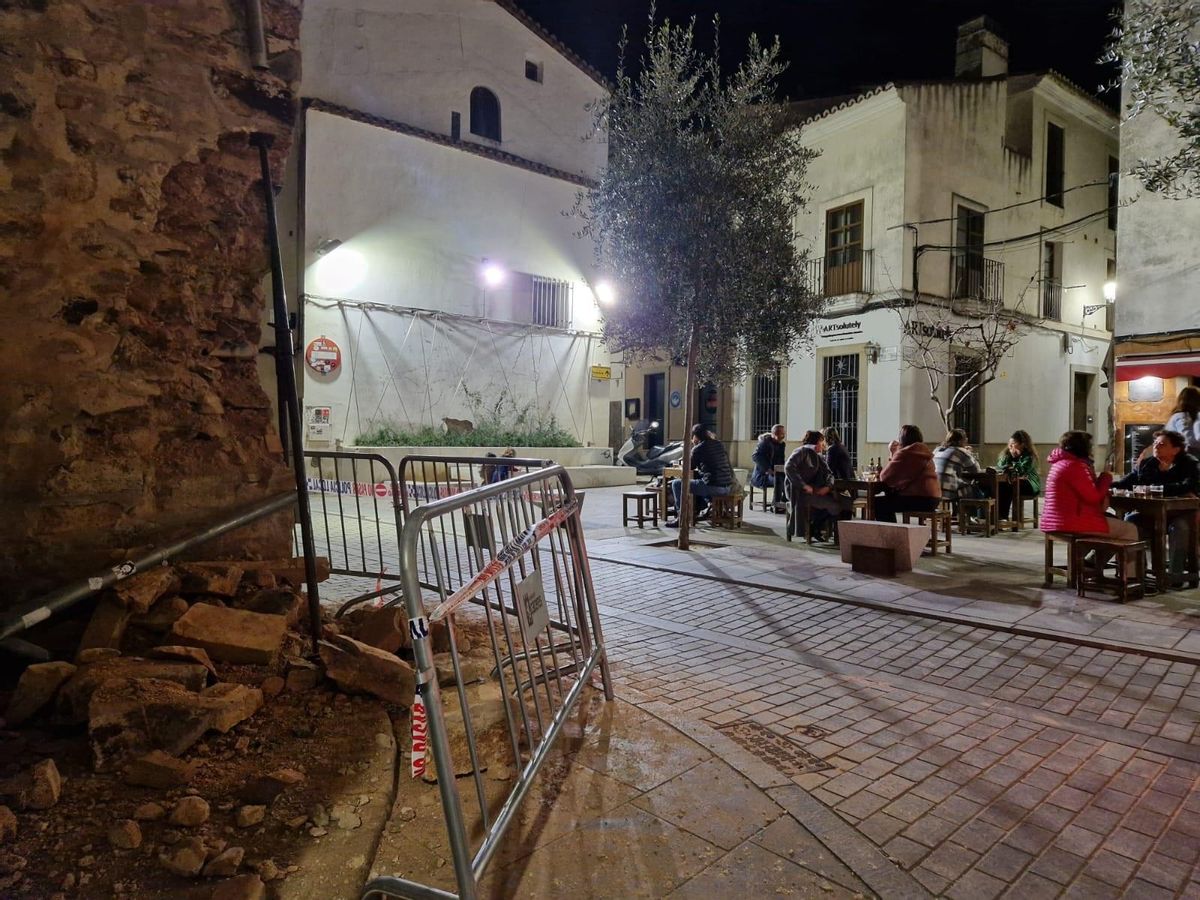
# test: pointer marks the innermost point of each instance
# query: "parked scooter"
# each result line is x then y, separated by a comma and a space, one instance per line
648, 460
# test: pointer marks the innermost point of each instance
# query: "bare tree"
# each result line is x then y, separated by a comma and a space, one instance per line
693, 216
960, 345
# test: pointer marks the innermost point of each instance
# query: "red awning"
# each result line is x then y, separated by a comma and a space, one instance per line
1168, 365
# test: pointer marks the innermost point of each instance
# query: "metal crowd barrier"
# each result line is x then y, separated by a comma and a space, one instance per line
530, 585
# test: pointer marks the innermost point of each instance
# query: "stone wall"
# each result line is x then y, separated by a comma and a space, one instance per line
131, 256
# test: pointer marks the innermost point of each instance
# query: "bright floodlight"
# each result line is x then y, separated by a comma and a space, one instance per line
340, 271
1110, 291
606, 293
493, 275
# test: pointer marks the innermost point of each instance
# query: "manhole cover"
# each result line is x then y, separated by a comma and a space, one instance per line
774, 749
812, 731
674, 542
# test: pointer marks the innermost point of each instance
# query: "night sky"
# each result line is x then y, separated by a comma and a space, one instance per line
839, 46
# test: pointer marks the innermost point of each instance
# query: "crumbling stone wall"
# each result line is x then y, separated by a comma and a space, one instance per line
131, 254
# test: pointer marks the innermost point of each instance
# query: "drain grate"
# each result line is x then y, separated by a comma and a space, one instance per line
774, 749
812, 731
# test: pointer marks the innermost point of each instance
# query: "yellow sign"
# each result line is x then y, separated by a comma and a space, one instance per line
602, 373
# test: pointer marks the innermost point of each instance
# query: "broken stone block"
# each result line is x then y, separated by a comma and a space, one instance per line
38, 788
232, 703
129, 717
279, 602
196, 655
302, 676
107, 625
8, 825
232, 635
439, 636
158, 770
472, 668
139, 593
125, 835
272, 686
162, 615
263, 790
221, 579
75, 695
149, 812
186, 858
190, 812
243, 887
95, 655
358, 667
486, 703
386, 629
289, 570
37, 687
225, 864
249, 816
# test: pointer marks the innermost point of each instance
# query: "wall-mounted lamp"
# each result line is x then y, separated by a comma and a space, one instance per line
605, 293
1110, 291
493, 274
873, 351
327, 246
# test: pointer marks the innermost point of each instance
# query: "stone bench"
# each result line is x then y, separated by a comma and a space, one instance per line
905, 541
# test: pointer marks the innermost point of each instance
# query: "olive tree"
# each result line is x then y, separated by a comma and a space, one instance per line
1157, 45
692, 219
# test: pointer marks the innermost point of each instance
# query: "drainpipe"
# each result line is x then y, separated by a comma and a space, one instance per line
258, 40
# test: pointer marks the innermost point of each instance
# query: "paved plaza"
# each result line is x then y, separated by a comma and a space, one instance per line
958, 731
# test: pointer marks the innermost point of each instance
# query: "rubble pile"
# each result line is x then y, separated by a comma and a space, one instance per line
193, 740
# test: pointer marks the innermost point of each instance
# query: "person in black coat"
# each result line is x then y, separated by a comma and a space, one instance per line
836, 455
712, 473
1172, 467
770, 452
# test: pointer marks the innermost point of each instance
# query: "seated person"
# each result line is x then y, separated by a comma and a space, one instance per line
808, 474
712, 475
909, 480
1171, 466
953, 459
836, 455
1076, 497
1019, 462
767, 455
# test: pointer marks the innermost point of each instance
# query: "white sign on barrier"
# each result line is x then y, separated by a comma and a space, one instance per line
531, 602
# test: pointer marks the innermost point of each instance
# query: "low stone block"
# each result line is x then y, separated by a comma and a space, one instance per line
220, 579
386, 629
74, 697
225, 863
358, 667
231, 704
232, 635
107, 625
36, 688
162, 615
277, 602
159, 770
129, 717
905, 541
197, 655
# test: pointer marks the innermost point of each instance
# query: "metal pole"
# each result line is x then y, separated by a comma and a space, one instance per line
258, 41
287, 375
45, 607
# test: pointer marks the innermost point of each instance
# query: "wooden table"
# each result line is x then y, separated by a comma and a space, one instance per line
854, 486
667, 500
1157, 513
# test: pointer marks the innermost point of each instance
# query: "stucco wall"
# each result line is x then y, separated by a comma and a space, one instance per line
131, 246
418, 61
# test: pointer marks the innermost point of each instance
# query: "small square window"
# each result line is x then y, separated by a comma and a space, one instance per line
533, 70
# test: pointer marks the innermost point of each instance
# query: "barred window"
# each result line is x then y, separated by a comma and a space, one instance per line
552, 302
765, 402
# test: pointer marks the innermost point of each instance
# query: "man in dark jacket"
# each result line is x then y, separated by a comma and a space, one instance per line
769, 453
1172, 467
712, 475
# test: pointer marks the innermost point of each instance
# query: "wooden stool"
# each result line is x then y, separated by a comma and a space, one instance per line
1018, 510
983, 508
1066, 571
641, 499
1131, 567
938, 519
726, 511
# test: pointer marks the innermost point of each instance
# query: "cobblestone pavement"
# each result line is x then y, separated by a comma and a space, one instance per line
983, 763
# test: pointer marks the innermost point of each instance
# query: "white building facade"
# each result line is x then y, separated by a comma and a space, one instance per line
441, 145
1003, 183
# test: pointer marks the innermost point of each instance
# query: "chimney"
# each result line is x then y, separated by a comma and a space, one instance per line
980, 51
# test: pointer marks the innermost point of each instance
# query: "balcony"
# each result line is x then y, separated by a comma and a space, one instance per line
1052, 291
974, 277
848, 272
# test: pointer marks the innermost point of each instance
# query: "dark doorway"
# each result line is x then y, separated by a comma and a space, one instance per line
654, 394
1081, 405
839, 400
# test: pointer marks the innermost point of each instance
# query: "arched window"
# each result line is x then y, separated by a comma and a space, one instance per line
485, 114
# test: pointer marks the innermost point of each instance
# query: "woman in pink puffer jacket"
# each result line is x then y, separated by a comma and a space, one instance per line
1075, 497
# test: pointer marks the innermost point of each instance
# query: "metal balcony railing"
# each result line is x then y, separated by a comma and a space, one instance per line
1052, 291
974, 277
847, 272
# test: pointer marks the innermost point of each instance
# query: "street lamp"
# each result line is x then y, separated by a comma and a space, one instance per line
493, 274
605, 293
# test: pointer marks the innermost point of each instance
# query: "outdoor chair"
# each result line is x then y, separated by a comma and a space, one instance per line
1130, 557
1067, 571
939, 521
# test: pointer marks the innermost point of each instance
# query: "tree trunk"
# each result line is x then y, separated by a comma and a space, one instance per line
692, 410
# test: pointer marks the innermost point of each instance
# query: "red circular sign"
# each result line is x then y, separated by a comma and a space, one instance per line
323, 356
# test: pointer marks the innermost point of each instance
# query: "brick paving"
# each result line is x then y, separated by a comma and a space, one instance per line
983, 763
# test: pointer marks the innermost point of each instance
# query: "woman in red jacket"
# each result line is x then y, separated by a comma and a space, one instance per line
1075, 497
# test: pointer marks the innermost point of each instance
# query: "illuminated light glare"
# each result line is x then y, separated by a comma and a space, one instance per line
1149, 381
341, 271
1110, 291
493, 275
606, 293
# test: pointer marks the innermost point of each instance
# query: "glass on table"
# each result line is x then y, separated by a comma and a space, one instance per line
1156, 491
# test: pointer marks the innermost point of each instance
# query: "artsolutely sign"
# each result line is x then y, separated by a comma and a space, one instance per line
840, 332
